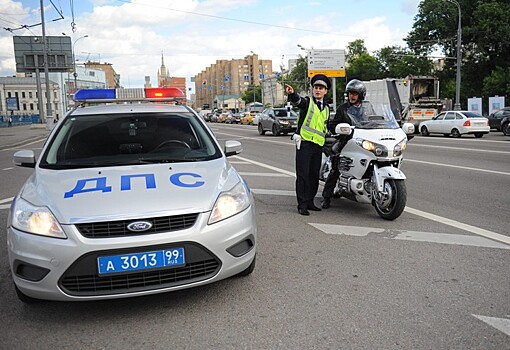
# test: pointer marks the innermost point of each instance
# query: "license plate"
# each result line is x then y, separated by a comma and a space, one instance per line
140, 261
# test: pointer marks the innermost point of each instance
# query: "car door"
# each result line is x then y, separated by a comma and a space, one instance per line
434, 124
264, 119
448, 123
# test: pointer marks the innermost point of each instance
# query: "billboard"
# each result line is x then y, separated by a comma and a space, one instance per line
29, 53
12, 103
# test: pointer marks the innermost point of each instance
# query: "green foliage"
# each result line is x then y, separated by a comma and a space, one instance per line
485, 44
251, 92
364, 67
296, 78
355, 49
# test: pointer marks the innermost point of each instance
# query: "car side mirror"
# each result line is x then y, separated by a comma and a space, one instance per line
343, 129
25, 158
408, 128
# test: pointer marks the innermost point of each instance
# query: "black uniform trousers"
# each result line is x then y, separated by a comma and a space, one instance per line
308, 164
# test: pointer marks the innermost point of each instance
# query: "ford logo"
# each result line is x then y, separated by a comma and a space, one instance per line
139, 226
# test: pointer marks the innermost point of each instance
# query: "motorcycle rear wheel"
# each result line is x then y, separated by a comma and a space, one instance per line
392, 205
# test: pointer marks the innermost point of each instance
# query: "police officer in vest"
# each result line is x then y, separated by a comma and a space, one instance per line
309, 137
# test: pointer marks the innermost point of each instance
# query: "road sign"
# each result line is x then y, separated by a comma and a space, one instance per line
331, 63
262, 77
227, 78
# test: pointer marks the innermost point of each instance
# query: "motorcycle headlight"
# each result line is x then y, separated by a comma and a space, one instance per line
230, 203
399, 148
377, 149
36, 220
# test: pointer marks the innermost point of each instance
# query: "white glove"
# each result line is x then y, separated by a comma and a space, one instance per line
297, 140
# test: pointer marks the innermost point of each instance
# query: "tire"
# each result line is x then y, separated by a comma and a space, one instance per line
455, 133
391, 207
424, 131
249, 269
261, 130
274, 130
478, 135
506, 129
25, 298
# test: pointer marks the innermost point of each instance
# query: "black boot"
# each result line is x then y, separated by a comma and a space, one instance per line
326, 203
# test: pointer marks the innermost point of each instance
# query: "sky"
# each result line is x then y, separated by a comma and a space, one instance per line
132, 35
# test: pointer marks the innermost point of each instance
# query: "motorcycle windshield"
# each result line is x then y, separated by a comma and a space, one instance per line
365, 117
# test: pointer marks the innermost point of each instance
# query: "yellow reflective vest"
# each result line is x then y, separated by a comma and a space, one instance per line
314, 126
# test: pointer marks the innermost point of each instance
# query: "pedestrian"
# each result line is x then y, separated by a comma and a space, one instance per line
356, 92
9, 122
309, 137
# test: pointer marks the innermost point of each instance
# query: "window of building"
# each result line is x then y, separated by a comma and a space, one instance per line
92, 73
24, 106
9, 94
54, 94
30, 94
31, 106
16, 94
23, 94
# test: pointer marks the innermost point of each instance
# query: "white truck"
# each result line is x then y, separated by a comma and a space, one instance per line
412, 99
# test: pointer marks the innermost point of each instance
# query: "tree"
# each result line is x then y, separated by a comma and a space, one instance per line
251, 92
399, 62
485, 43
355, 49
297, 75
364, 67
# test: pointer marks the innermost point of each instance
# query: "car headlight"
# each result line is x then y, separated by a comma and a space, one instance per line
377, 149
230, 203
36, 220
399, 148
283, 122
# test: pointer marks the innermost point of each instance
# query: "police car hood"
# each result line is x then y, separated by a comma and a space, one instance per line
128, 192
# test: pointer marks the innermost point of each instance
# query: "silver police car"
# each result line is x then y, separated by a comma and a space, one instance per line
127, 200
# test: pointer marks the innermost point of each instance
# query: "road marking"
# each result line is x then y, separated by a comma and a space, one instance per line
456, 166
461, 149
501, 324
405, 235
19, 146
8, 168
267, 166
5, 200
460, 225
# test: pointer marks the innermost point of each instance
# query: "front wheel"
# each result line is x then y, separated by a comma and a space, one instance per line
455, 133
506, 129
261, 130
424, 131
391, 204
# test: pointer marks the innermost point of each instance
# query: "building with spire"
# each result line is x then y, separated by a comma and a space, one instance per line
165, 80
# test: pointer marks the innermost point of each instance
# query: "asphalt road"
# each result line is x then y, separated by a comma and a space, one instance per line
435, 278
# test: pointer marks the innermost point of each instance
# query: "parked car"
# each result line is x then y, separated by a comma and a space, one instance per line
128, 200
248, 118
505, 125
256, 119
278, 121
496, 118
222, 118
233, 118
456, 123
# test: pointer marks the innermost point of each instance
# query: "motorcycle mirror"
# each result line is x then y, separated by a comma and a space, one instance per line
343, 129
408, 128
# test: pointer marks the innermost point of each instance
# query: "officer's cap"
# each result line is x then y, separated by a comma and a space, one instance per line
321, 79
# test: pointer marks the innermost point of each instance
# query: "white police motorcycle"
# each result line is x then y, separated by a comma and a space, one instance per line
370, 161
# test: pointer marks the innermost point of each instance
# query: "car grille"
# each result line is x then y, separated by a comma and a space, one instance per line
82, 278
111, 229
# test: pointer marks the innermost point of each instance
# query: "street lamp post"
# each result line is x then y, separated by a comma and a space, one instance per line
459, 58
75, 75
305, 86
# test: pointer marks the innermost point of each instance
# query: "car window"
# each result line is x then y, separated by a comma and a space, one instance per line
473, 115
449, 116
115, 139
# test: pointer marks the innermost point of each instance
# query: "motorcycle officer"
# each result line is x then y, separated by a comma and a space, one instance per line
356, 92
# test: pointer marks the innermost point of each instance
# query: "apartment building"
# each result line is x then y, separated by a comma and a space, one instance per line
229, 77
112, 78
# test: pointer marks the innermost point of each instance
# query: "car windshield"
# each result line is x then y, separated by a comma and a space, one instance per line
120, 139
283, 113
364, 117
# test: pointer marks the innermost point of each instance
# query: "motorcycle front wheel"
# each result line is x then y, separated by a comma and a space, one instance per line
389, 206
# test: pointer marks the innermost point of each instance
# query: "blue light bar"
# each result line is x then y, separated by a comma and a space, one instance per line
94, 94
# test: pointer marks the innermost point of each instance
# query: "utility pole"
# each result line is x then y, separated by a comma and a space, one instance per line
49, 118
